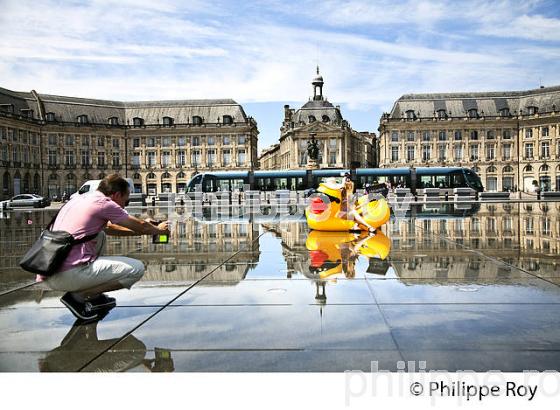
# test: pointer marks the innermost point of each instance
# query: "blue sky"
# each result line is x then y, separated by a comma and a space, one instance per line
263, 54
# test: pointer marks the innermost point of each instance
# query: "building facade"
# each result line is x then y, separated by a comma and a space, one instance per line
509, 138
339, 145
52, 144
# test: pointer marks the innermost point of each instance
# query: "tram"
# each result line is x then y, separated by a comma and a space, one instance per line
445, 178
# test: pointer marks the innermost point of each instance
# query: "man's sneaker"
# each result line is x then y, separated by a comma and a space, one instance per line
102, 302
82, 310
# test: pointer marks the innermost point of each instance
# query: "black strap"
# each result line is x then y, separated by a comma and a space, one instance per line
76, 241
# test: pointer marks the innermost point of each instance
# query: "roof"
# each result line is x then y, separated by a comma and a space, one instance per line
317, 108
457, 104
67, 109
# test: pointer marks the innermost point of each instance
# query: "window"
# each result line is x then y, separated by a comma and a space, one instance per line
165, 141
473, 113
85, 158
441, 153
474, 152
410, 115
136, 143
532, 110
100, 141
528, 133
504, 112
211, 157
225, 140
138, 122
426, 136
458, 152
227, 119
441, 114
52, 156
115, 143
458, 135
195, 141
474, 135
325, 118
116, 159
410, 153
490, 135
426, 153
442, 136
544, 131
545, 150
395, 136
52, 139
394, 153
82, 119
3, 134
195, 158
50, 117
241, 140
241, 157
167, 121
508, 168
181, 158
211, 140
85, 140
151, 142
529, 150
69, 140
196, 120
101, 159
113, 121
69, 158
506, 134
227, 157
151, 156
490, 152
506, 149
410, 136
136, 160
165, 159
181, 141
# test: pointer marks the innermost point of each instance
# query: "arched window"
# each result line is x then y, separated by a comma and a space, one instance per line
491, 169
508, 168
138, 122
165, 175
441, 114
181, 174
136, 176
227, 119
326, 118
476, 169
50, 117
167, 121
504, 112
528, 168
410, 115
311, 118
196, 120
82, 119
53, 177
544, 168
113, 121
532, 110
151, 175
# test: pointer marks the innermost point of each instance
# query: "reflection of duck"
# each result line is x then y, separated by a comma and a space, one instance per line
331, 253
82, 344
325, 211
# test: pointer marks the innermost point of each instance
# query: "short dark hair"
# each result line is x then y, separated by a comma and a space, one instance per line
112, 184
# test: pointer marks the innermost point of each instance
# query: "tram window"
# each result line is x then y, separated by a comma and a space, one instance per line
209, 184
297, 184
457, 180
441, 181
426, 181
223, 184
237, 184
194, 182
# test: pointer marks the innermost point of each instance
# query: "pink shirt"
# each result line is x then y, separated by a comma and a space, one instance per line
86, 215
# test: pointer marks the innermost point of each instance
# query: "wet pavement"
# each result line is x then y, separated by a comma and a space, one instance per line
473, 287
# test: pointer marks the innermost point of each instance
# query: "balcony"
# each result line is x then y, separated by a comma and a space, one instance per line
53, 166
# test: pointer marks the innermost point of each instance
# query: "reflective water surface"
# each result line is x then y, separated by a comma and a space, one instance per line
468, 287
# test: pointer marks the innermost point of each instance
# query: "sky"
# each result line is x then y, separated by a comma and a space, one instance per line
263, 54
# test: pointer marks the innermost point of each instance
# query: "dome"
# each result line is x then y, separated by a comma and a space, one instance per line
317, 80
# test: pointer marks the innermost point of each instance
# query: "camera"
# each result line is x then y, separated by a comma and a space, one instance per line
159, 238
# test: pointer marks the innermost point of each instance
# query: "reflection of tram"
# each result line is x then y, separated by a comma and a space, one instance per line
298, 180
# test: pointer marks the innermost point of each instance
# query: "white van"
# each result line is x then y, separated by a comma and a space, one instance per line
91, 186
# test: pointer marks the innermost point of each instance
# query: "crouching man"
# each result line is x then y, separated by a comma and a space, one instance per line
85, 275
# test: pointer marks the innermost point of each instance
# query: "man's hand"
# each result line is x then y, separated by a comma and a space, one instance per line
164, 227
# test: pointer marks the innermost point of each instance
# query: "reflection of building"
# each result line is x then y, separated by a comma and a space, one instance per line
509, 138
51, 144
339, 145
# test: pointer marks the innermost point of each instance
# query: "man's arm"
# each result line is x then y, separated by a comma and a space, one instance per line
134, 226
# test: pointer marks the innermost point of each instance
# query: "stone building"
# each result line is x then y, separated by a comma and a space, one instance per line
339, 145
509, 138
52, 144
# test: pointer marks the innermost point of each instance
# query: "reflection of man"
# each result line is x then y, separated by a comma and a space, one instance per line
81, 344
84, 275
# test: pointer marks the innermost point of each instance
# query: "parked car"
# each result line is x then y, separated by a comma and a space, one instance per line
89, 187
27, 201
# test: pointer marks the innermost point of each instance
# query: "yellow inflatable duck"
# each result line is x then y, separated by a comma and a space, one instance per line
331, 253
324, 214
